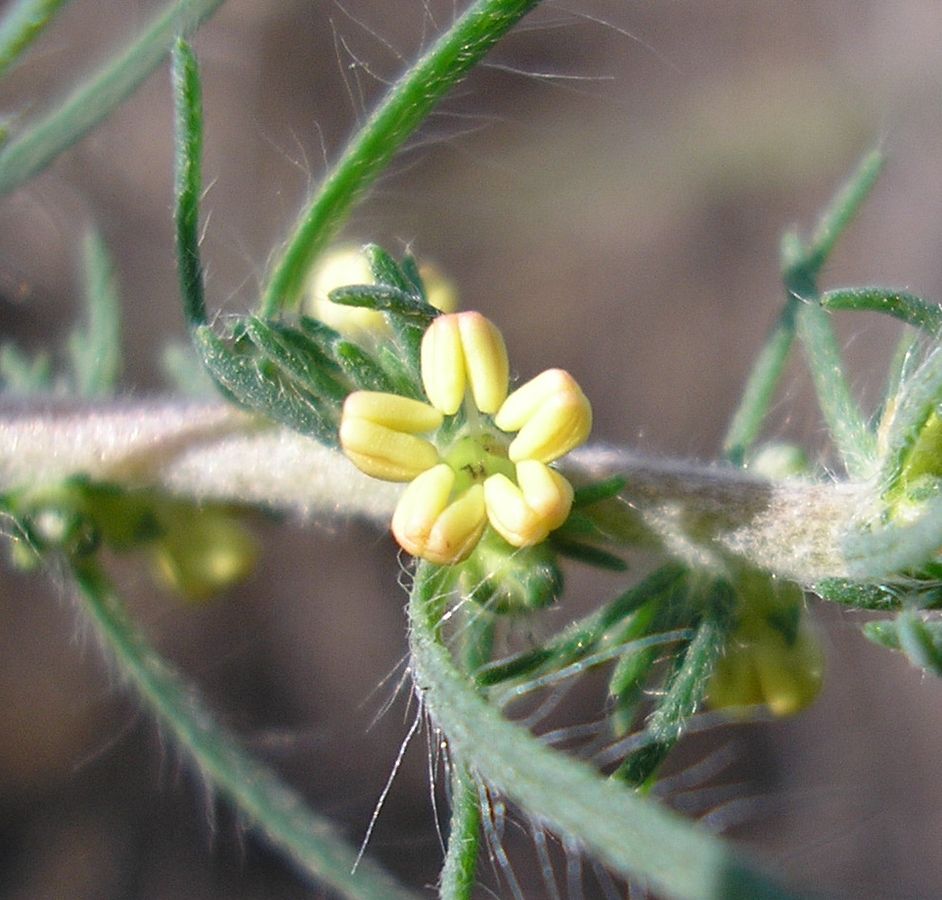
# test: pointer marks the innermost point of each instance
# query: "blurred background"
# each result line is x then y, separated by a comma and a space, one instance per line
610, 188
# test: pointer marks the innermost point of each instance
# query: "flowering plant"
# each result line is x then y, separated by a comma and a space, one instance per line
356, 389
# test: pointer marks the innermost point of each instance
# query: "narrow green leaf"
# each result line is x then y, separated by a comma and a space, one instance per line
299, 359
628, 833
410, 268
188, 180
582, 637
95, 350
278, 813
405, 107
22, 23
800, 265
839, 213
384, 298
849, 429
387, 271
902, 305
362, 369
258, 385
42, 140
686, 690
596, 491
591, 556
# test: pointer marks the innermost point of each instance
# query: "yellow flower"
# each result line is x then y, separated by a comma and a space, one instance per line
465, 467
348, 264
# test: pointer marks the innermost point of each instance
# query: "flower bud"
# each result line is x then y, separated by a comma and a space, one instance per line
339, 267
426, 525
551, 415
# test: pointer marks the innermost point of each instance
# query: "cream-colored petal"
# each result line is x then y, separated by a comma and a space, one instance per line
528, 398
443, 365
510, 515
486, 362
420, 505
458, 529
383, 452
546, 491
393, 411
560, 423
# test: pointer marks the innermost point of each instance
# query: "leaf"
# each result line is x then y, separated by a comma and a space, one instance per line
41, 141
902, 305
383, 298
298, 358
23, 375
95, 351
920, 639
261, 388
22, 23
188, 181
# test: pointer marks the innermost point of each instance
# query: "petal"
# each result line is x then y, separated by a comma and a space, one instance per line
560, 423
485, 357
420, 505
383, 452
546, 491
510, 515
525, 401
458, 529
443, 372
393, 411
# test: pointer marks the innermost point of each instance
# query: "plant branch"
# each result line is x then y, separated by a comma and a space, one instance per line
404, 109
310, 841
40, 142
633, 836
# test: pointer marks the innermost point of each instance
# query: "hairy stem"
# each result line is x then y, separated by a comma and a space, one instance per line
631, 835
397, 117
310, 841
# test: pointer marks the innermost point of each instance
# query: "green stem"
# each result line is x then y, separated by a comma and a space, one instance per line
628, 833
464, 836
760, 388
22, 23
802, 265
403, 110
188, 187
41, 141
310, 841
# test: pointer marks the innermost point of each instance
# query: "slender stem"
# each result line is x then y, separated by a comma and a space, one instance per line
464, 833
188, 115
760, 387
464, 836
849, 430
403, 110
801, 266
308, 840
628, 833
21, 25
41, 141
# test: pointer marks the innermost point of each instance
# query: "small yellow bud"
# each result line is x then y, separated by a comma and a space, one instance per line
485, 357
551, 415
426, 525
339, 267
203, 552
384, 453
443, 368
512, 517
440, 291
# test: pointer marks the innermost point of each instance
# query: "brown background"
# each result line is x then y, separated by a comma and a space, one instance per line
611, 194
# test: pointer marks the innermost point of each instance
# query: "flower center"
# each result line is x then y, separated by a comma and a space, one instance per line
475, 457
